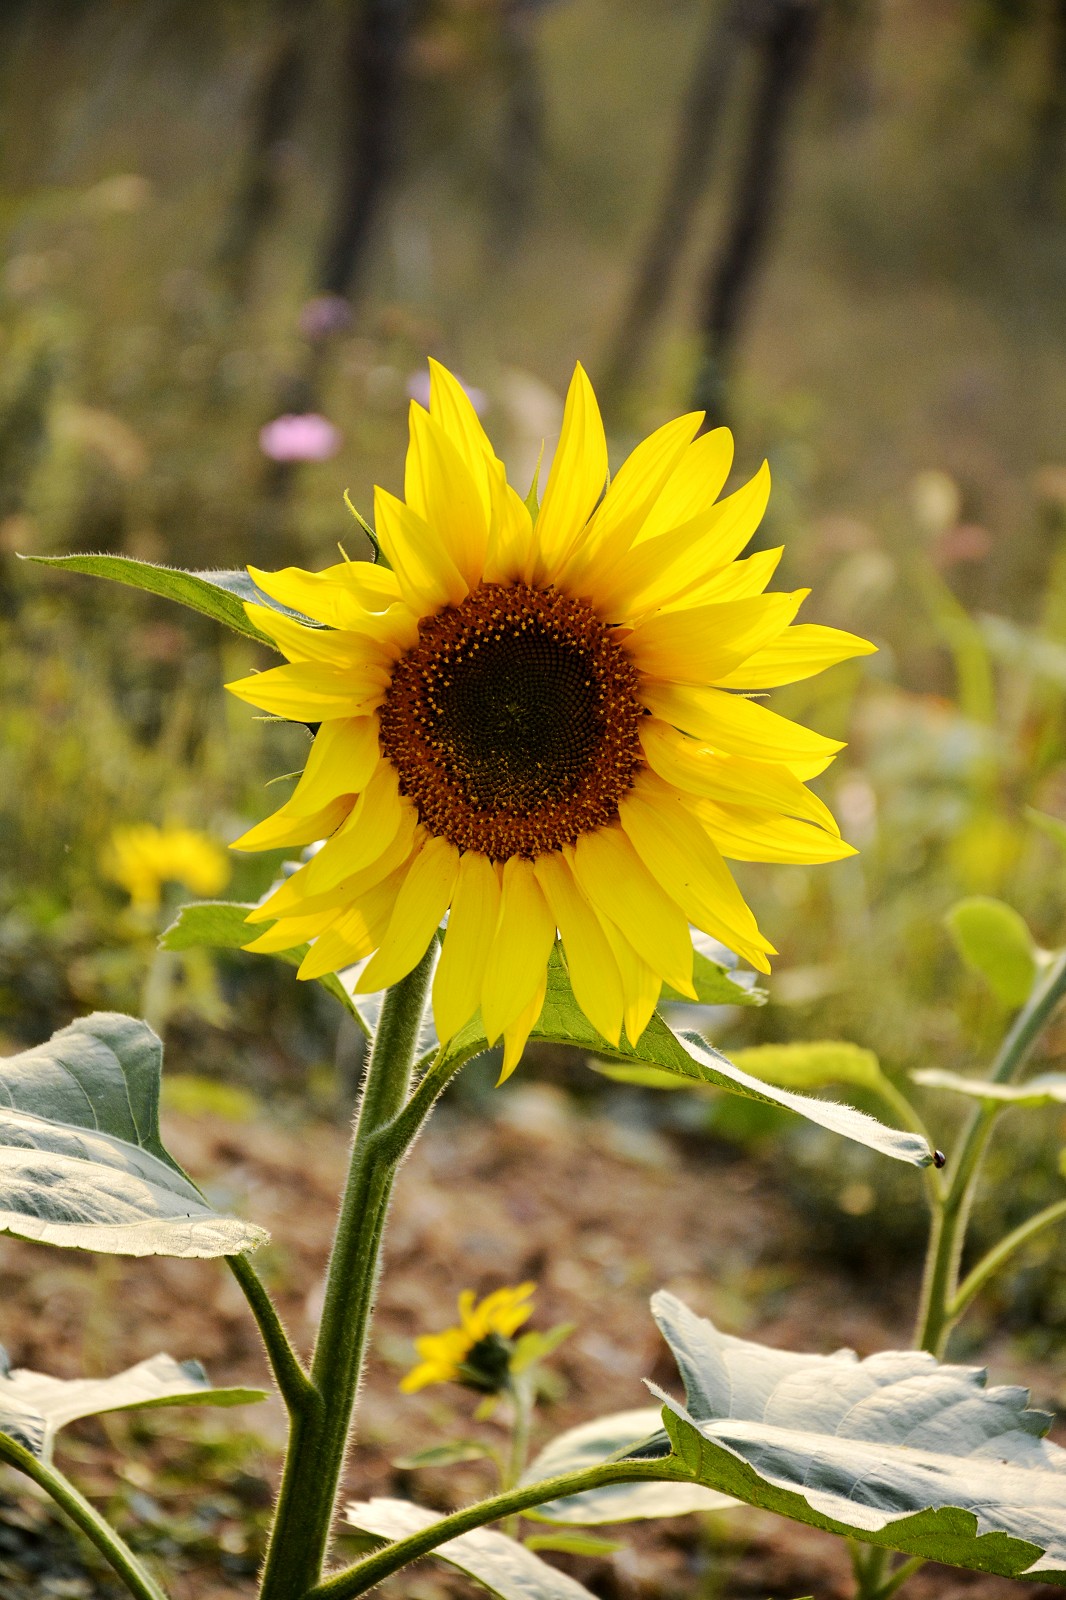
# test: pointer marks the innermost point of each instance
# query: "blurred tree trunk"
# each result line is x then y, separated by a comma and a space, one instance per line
275, 103
785, 48
1049, 142
522, 139
716, 66
374, 59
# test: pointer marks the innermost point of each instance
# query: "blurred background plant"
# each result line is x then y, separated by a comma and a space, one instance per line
231, 236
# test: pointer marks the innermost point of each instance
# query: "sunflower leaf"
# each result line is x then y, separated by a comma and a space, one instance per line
594, 1442
222, 925
691, 1059
995, 942
220, 595
34, 1406
502, 1565
717, 985
896, 1450
81, 1161
1046, 1089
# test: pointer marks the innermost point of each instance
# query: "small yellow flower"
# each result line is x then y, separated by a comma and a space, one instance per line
538, 721
141, 858
477, 1353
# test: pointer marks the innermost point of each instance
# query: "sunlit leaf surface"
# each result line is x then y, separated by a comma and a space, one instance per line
897, 1450
81, 1160
502, 1565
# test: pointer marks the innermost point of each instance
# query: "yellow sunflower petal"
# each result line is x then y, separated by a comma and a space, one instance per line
735, 780
516, 1034
594, 975
694, 485
510, 530
282, 829
619, 885
575, 482
729, 722
740, 580
357, 931
324, 596
627, 504
343, 756
641, 986
679, 853
308, 692
673, 568
456, 505
289, 932
425, 571
525, 934
420, 905
471, 929
373, 823
333, 647
801, 652
292, 896
704, 644
746, 833
450, 406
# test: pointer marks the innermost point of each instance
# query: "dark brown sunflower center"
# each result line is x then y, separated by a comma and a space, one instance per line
513, 722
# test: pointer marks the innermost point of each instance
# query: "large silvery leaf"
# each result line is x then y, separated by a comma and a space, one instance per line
897, 1450
220, 595
34, 1406
81, 1160
1046, 1089
692, 1059
505, 1567
222, 925
595, 1442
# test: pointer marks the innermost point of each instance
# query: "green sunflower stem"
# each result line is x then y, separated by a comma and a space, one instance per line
319, 1438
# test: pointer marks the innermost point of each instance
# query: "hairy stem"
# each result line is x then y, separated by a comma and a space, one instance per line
948, 1234
110, 1543
319, 1438
373, 1568
296, 1388
990, 1264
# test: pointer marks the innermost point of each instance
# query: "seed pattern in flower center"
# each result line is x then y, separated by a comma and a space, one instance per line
513, 722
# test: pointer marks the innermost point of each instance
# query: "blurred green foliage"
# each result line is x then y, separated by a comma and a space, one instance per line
903, 368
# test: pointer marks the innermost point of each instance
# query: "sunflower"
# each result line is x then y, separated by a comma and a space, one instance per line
477, 1352
537, 722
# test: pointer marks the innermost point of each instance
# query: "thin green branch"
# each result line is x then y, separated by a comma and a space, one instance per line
990, 1264
905, 1570
369, 1572
948, 1234
296, 1388
110, 1543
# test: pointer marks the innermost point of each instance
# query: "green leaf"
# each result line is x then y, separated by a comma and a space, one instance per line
573, 1544
897, 1450
595, 1442
443, 1455
222, 925
995, 942
717, 985
691, 1059
34, 1406
81, 1161
220, 595
812, 1065
1046, 1089
380, 558
533, 1347
505, 1567
1053, 827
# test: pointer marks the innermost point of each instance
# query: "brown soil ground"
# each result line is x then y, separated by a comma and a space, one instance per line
599, 1216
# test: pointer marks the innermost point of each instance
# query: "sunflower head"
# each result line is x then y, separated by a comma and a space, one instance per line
478, 1352
537, 723
141, 858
